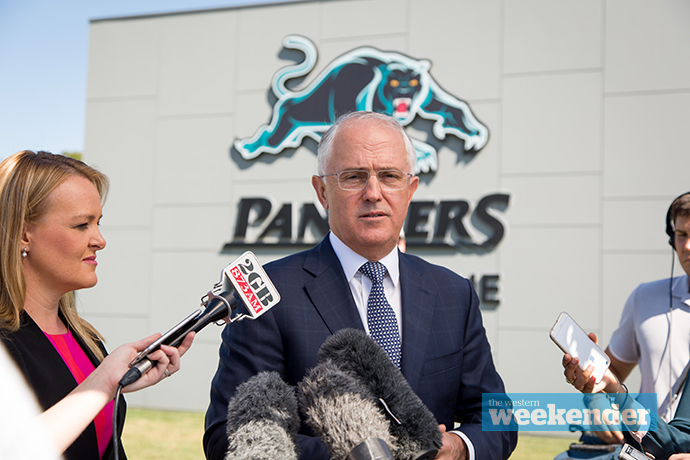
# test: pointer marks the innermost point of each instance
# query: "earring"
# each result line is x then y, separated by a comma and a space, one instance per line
25, 252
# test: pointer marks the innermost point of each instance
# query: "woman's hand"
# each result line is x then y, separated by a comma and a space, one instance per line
106, 377
167, 360
584, 381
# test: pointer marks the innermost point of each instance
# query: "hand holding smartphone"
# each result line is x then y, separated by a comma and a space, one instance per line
628, 452
572, 339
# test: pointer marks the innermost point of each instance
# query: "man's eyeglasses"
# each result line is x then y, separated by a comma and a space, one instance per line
354, 180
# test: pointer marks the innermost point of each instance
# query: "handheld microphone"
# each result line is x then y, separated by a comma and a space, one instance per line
344, 415
243, 283
412, 423
263, 420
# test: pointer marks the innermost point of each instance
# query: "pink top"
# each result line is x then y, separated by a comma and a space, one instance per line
80, 366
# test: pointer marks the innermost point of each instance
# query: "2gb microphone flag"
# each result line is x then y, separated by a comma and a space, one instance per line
569, 412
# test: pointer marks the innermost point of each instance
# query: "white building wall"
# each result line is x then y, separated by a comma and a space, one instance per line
587, 104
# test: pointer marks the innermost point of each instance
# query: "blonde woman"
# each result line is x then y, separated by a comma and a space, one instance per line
50, 209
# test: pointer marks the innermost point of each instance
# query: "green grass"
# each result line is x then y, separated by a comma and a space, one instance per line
160, 435
540, 447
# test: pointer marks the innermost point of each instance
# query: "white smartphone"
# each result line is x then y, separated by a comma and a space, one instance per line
628, 452
572, 339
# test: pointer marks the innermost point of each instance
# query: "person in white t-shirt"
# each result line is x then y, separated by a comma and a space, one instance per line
654, 329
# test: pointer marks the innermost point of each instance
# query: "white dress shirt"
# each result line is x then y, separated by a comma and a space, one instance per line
360, 286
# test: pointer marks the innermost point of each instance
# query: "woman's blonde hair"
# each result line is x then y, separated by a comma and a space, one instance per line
26, 180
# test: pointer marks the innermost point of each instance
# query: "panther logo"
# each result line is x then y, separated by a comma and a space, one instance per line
362, 79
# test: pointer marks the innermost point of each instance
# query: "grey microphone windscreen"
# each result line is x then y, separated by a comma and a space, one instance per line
262, 420
341, 411
354, 352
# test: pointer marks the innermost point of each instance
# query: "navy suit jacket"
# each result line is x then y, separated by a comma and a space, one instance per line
446, 357
668, 438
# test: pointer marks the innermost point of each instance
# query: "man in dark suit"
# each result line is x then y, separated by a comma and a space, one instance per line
365, 182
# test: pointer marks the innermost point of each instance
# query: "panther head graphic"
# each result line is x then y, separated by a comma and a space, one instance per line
362, 79
401, 87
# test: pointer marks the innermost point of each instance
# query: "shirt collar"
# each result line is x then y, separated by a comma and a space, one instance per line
351, 261
680, 288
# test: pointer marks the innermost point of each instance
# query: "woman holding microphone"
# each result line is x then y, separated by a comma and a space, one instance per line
50, 210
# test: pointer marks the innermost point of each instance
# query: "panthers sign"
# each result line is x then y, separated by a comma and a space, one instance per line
373, 80
362, 79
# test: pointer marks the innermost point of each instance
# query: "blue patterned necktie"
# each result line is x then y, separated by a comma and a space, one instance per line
383, 326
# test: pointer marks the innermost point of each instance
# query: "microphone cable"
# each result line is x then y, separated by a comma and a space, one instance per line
131, 376
671, 396
116, 446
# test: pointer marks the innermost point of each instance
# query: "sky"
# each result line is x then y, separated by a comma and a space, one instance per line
43, 65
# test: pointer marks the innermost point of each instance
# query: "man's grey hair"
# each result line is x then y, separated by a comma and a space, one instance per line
326, 144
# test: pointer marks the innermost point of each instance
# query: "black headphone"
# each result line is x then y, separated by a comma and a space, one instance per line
670, 231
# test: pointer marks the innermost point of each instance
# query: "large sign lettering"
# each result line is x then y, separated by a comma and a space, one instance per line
443, 224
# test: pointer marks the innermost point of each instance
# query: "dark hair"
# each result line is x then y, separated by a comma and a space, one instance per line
680, 207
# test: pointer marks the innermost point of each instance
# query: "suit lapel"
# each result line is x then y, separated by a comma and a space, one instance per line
50, 362
329, 291
332, 298
418, 304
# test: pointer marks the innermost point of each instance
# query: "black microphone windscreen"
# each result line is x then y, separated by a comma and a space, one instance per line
342, 412
354, 352
262, 420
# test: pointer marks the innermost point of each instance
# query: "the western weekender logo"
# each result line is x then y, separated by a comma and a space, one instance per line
362, 79
568, 412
